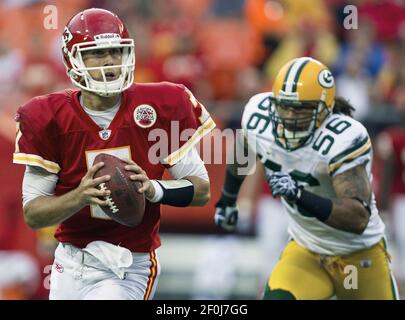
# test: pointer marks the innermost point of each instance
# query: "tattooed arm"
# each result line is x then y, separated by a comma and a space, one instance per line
348, 213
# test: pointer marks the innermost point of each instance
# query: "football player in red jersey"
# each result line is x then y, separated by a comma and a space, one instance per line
60, 134
391, 150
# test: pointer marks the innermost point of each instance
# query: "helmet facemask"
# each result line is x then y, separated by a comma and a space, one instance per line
294, 122
80, 75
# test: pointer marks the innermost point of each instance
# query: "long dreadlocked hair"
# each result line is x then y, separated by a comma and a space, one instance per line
343, 106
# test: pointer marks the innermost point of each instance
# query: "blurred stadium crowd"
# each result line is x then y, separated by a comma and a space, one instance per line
224, 51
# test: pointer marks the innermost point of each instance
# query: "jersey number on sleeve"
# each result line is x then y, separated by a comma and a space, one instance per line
325, 140
259, 118
196, 104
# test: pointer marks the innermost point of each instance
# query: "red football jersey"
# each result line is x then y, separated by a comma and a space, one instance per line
392, 141
55, 133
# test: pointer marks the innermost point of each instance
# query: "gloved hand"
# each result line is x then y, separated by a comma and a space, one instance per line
226, 216
282, 184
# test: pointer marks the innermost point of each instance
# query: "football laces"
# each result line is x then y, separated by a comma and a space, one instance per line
109, 200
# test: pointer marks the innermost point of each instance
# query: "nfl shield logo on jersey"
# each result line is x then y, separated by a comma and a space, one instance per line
104, 134
145, 116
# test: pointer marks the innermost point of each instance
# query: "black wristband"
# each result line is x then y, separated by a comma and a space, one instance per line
312, 205
230, 190
176, 196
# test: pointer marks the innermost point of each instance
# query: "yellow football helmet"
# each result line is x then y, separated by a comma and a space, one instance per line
304, 94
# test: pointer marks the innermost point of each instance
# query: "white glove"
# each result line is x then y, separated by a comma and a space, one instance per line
282, 184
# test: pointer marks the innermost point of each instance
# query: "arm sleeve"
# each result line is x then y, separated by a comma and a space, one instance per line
355, 149
190, 165
194, 123
35, 138
37, 182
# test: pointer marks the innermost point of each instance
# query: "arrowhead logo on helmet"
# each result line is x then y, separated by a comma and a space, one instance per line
67, 36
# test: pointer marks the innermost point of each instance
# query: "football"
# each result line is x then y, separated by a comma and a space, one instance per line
126, 204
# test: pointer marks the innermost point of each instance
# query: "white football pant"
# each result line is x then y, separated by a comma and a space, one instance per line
79, 275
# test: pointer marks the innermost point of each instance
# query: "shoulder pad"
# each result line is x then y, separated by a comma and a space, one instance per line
350, 141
